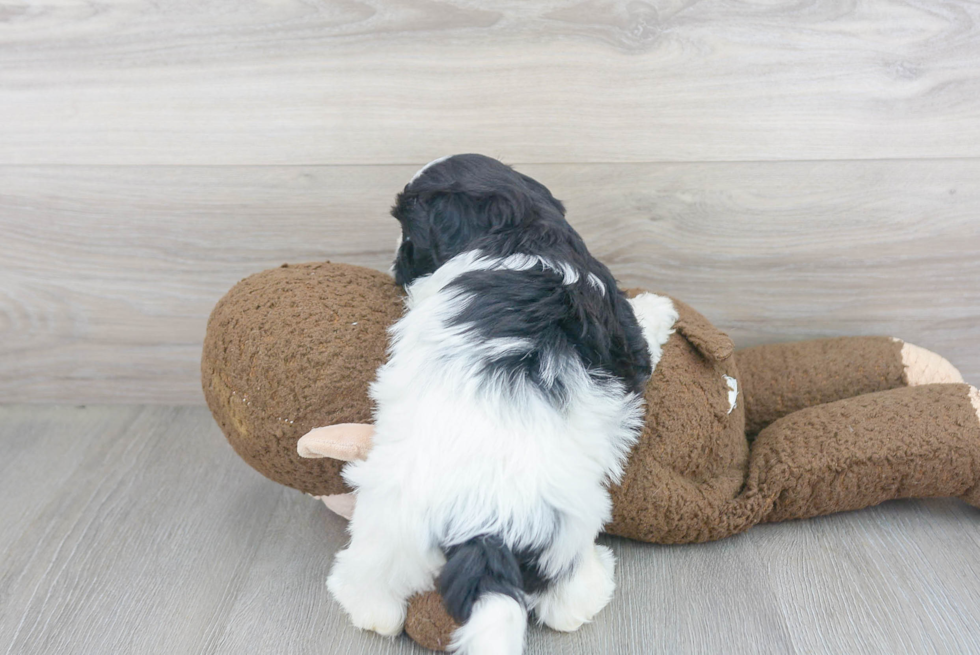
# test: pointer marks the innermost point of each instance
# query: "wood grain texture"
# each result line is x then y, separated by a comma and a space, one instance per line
108, 274
831, 612
118, 554
398, 81
137, 530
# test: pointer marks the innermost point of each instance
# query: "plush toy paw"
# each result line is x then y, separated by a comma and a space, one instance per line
345, 441
339, 504
575, 600
926, 367
972, 495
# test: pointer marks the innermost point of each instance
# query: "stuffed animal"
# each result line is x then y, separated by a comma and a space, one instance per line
732, 439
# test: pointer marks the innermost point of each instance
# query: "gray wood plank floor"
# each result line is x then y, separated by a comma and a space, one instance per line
132, 529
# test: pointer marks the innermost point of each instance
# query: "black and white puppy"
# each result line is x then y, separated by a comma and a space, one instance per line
511, 398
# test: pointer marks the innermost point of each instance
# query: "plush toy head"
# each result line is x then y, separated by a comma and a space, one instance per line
290, 349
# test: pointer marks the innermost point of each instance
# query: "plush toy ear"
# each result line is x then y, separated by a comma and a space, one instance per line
345, 441
709, 340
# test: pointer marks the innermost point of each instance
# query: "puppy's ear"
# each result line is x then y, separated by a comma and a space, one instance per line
457, 219
412, 261
543, 194
450, 223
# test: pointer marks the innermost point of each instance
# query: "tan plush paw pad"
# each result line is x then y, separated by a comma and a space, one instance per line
926, 367
972, 495
339, 504
348, 442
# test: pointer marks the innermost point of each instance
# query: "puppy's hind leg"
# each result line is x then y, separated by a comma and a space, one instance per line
381, 568
576, 598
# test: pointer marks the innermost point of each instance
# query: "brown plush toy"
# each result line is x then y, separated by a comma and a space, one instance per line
731, 439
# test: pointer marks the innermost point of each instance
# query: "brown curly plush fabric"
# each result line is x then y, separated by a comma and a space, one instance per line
291, 349
782, 378
428, 623
911, 442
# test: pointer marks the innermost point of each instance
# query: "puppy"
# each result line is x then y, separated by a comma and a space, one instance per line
510, 400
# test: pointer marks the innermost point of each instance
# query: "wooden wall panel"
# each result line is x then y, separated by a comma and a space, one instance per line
396, 81
107, 274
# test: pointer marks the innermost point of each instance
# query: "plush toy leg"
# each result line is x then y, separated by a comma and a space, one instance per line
779, 379
428, 623
913, 442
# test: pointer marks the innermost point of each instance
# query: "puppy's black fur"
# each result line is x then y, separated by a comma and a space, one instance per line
479, 566
473, 202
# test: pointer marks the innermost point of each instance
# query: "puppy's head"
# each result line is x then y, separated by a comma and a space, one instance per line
454, 202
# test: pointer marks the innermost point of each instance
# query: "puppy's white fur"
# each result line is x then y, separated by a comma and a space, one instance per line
457, 455
496, 628
575, 599
432, 163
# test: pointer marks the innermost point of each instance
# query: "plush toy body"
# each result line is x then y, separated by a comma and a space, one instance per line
731, 439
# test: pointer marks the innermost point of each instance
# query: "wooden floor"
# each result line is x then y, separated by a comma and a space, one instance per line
127, 529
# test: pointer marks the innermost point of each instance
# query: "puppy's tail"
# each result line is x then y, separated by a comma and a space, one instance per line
482, 587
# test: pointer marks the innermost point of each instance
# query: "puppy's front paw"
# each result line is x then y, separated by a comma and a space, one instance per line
368, 608
574, 601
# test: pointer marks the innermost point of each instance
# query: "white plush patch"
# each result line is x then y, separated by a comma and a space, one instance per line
657, 316
975, 400
575, 600
732, 392
428, 166
496, 627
